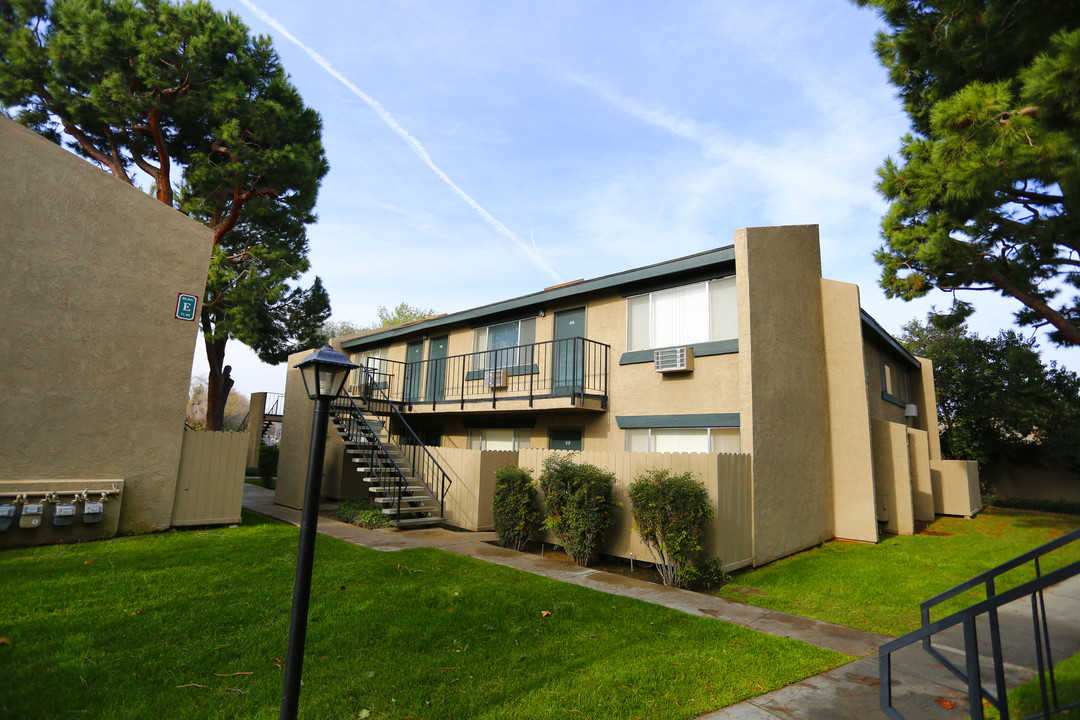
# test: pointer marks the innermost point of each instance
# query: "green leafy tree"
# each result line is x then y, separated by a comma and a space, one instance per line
579, 500
400, 315
997, 401
181, 94
516, 508
671, 513
985, 193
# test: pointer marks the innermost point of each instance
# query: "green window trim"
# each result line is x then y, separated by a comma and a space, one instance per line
715, 347
700, 420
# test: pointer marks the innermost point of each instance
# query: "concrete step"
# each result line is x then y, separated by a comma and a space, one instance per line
411, 522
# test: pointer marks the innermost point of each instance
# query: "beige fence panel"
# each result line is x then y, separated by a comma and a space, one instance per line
472, 489
210, 482
728, 479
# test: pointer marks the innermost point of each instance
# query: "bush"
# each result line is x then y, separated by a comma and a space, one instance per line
1068, 507
516, 509
268, 462
670, 515
579, 504
362, 513
705, 574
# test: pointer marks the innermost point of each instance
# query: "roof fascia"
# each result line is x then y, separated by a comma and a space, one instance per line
615, 281
884, 338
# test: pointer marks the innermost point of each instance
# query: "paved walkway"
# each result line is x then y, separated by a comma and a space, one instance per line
922, 688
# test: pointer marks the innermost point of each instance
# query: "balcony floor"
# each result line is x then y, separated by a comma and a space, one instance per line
509, 404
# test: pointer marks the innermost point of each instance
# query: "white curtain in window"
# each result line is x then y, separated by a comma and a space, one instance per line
688, 440
725, 309
637, 440
680, 316
637, 323
725, 440
498, 439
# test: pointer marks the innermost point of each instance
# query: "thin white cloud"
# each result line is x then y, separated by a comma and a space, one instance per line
654, 115
531, 252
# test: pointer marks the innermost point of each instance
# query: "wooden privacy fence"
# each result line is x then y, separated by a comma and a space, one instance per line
727, 478
210, 481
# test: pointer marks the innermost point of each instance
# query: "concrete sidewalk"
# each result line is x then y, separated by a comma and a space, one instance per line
922, 688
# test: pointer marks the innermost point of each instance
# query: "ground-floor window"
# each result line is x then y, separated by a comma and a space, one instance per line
687, 440
498, 439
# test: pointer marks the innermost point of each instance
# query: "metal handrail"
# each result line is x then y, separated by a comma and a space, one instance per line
572, 367
277, 407
970, 674
411, 450
987, 579
344, 401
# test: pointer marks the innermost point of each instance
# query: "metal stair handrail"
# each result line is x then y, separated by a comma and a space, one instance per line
345, 402
971, 673
410, 450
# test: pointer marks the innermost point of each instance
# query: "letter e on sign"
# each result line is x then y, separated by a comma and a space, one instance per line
185, 306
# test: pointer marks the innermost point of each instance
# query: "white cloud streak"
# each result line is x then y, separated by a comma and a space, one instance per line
531, 252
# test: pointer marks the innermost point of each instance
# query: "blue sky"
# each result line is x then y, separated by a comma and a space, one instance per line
482, 150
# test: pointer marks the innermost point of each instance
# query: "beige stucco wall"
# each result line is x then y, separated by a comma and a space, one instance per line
892, 475
296, 438
852, 462
922, 492
960, 488
96, 366
784, 402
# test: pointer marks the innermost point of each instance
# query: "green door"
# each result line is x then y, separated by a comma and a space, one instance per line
414, 353
436, 370
565, 439
569, 350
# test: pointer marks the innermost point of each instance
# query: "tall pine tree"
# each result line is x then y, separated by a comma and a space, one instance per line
985, 193
183, 95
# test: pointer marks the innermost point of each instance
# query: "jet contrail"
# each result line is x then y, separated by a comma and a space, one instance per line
532, 253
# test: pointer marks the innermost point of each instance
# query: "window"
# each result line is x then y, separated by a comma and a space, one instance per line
374, 359
498, 439
894, 381
498, 346
697, 313
688, 440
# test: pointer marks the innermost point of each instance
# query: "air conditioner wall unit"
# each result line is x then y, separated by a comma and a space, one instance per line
494, 379
680, 359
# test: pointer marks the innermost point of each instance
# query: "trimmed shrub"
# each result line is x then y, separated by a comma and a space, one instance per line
579, 499
516, 509
268, 462
670, 515
362, 513
706, 574
1068, 507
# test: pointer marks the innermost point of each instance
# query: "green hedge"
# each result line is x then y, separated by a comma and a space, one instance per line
670, 514
516, 508
579, 500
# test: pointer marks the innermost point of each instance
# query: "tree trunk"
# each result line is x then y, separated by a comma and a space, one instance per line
218, 383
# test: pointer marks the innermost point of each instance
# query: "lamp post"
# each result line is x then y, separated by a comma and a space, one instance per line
324, 372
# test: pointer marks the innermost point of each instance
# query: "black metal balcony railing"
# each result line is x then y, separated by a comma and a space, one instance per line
574, 368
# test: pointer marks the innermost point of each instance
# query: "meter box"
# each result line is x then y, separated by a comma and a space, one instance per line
31, 515
64, 514
7, 515
92, 512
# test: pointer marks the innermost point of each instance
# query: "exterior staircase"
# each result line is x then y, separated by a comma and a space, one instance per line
404, 480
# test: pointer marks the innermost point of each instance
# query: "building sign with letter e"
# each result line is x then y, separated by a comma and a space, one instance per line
185, 306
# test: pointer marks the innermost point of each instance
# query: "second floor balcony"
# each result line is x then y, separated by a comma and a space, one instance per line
570, 373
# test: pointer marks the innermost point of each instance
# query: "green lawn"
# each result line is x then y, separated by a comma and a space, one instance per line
193, 624
1026, 700
879, 587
